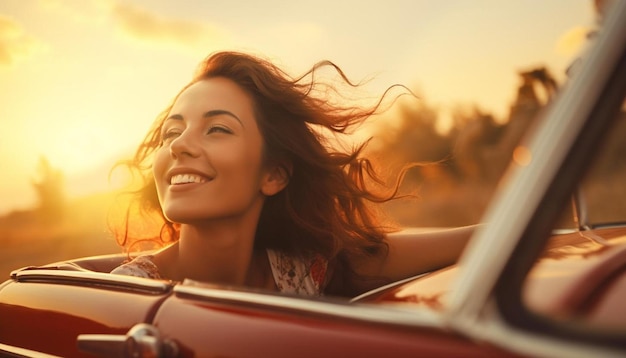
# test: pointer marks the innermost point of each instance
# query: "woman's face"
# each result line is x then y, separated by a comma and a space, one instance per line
210, 165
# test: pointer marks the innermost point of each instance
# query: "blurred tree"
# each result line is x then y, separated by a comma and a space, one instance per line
413, 136
475, 135
50, 188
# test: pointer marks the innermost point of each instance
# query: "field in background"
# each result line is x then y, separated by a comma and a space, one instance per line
27, 239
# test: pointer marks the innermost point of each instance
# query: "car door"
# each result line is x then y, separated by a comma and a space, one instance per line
207, 321
44, 310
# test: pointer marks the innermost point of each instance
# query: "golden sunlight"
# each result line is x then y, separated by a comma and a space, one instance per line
79, 147
572, 41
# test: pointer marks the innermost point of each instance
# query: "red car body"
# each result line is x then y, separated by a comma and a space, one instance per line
45, 309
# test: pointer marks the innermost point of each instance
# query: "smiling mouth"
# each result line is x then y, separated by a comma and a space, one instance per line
187, 179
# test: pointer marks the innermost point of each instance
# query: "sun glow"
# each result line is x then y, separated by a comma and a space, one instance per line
77, 148
83, 151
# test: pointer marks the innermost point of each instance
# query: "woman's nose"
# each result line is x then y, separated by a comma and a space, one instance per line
185, 144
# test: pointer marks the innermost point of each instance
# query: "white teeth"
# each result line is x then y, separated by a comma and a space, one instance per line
186, 178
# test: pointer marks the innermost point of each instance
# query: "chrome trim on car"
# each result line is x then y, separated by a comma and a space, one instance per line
386, 287
579, 206
93, 279
409, 315
11, 351
142, 340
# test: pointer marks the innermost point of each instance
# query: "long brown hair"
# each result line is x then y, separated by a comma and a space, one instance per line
326, 207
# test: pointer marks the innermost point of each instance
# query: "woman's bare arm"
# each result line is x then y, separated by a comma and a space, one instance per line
416, 251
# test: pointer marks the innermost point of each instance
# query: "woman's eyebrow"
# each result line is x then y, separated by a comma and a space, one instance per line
209, 114
177, 117
219, 112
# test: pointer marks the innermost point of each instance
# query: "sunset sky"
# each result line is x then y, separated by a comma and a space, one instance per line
82, 80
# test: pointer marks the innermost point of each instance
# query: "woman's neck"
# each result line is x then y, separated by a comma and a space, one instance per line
219, 254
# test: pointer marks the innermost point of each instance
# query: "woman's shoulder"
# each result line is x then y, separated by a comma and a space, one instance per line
140, 266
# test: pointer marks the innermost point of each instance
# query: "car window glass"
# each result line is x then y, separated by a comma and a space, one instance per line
604, 191
581, 276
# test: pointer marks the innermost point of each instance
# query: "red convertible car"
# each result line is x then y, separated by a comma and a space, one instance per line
544, 276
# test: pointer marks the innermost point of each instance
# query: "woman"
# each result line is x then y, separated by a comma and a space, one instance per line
251, 195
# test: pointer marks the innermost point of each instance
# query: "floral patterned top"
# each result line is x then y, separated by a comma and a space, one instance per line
300, 275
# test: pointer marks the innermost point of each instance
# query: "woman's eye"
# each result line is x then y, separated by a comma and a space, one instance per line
169, 135
219, 129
